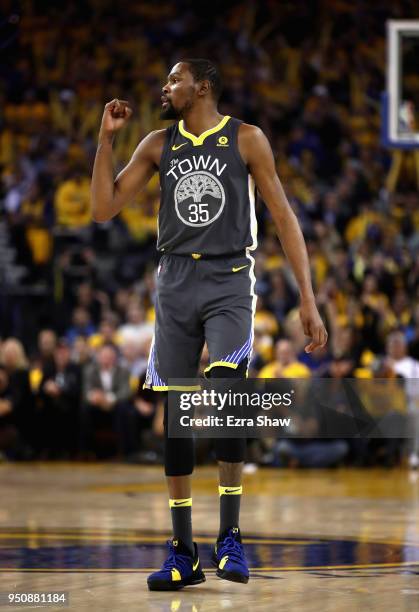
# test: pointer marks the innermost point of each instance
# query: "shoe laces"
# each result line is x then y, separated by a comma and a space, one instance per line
176, 560
232, 548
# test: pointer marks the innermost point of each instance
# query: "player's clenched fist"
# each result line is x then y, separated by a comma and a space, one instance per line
115, 116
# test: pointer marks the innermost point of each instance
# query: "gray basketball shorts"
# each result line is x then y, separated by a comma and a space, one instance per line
201, 300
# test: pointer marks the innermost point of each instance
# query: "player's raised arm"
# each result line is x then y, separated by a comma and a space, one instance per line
257, 153
109, 194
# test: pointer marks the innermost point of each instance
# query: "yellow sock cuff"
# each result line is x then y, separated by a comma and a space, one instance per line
182, 503
230, 490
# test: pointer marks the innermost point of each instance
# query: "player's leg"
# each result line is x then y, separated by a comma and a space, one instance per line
182, 566
175, 354
229, 557
228, 319
179, 461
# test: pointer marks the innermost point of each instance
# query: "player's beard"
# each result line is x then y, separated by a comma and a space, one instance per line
169, 112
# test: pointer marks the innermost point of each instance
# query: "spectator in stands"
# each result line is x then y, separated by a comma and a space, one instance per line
107, 332
82, 325
136, 329
107, 400
398, 358
72, 202
399, 362
133, 358
345, 354
15, 364
92, 301
60, 394
9, 436
82, 353
286, 364
121, 302
47, 343
36, 216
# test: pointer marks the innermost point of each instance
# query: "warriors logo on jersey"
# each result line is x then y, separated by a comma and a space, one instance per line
199, 199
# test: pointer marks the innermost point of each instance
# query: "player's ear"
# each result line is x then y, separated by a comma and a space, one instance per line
204, 87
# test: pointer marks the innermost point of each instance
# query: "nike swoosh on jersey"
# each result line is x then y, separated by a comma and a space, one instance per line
240, 268
176, 147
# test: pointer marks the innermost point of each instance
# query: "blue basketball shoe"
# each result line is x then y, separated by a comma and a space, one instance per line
179, 570
228, 557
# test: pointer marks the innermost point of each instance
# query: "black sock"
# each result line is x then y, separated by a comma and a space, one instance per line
229, 507
181, 511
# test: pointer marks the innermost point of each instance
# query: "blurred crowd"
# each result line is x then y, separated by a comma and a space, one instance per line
76, 298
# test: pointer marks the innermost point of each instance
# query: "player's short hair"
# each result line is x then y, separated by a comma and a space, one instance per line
205, 70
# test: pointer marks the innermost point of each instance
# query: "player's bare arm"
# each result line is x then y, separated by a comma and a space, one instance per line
110, 194
257, 153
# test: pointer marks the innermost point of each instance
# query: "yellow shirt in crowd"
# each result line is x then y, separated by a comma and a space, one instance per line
293, 370
72, 203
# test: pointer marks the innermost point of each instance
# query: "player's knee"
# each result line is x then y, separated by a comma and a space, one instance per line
179, 456
231, 450
179, 453
226, 372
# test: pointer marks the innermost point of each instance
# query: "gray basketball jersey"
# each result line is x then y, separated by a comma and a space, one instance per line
207, 194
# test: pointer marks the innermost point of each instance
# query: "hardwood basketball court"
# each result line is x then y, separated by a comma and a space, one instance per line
316, 540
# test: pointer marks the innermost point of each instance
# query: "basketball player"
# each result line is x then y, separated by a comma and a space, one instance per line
208, 165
